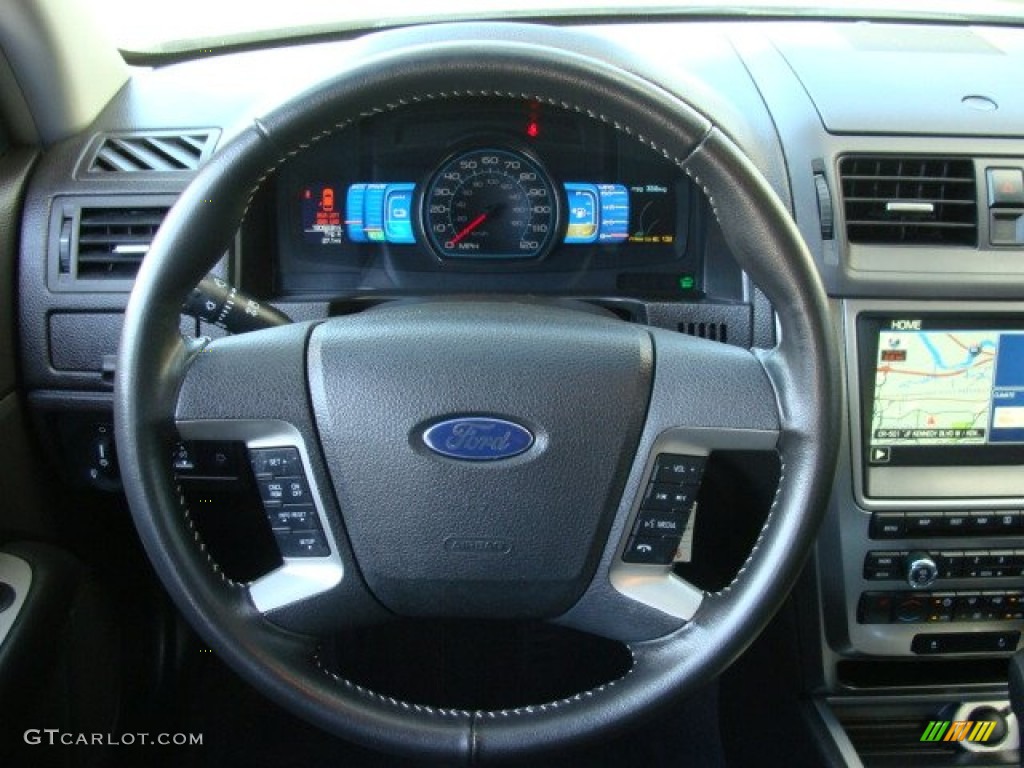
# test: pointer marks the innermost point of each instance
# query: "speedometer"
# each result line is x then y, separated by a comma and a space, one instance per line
490, 204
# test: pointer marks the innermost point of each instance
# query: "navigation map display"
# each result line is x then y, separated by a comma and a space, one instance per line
939, 385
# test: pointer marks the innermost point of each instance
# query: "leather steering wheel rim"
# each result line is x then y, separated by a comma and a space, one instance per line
521, 62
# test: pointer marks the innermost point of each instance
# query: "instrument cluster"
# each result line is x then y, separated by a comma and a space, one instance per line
484, 195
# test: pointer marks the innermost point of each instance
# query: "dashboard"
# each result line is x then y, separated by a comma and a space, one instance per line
908, 190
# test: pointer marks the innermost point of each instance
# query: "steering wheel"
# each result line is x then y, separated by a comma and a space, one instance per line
346, 407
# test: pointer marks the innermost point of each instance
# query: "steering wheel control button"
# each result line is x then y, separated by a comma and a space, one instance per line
660, 524
293, 517
679, 470
275, 461
295, 490
271, 489
301, 543
651, 550
287, 502
665, 498
666, 511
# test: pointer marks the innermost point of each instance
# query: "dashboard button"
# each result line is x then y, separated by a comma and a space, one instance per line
940, 607
887, 525
1005, 187
909, 609
1008, 521
924, 523
883, 566
970, 608
875, 608
955, 523
950, 564
301, 543
982, 522
973, 642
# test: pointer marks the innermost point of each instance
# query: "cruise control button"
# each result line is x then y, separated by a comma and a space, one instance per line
271, 488
275, 461
651, 550
660, 524
293, 517
301, 543
295, 490
681, 470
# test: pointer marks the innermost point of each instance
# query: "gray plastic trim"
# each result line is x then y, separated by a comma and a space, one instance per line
300, 577
18, 574
837, 734
657, 586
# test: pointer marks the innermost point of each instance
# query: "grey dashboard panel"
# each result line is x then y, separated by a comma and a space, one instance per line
891, 79
802, 102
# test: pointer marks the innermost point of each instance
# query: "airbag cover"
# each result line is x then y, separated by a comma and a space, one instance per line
516, 536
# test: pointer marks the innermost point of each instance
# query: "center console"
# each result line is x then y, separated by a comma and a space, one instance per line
932, 529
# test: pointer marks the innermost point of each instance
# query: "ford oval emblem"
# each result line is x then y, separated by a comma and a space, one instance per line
478, 439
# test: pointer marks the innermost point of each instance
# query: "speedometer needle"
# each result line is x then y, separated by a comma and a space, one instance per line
469, 228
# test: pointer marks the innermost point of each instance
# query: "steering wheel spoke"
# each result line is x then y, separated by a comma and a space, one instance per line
706, 397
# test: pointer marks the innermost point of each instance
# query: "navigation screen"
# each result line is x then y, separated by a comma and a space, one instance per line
945, 386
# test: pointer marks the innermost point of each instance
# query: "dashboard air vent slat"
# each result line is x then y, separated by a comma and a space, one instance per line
113, 241
153, 152
892, 200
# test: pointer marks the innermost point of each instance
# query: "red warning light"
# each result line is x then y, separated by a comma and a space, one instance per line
533, 129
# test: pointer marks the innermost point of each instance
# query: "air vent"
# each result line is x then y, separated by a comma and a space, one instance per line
713, 331
890, 200
111, 242
160, 152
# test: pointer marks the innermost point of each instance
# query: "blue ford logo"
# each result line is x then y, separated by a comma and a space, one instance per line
478, 439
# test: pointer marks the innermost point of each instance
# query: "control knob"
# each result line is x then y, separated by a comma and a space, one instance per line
921, 570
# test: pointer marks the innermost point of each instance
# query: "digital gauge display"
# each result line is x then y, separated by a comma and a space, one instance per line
492, 204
